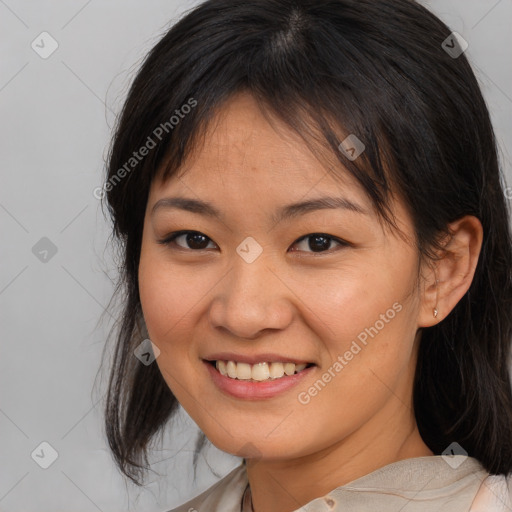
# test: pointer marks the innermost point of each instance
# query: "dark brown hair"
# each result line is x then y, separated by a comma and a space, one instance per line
379, 70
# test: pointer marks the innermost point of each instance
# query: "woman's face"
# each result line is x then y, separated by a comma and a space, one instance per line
270, 283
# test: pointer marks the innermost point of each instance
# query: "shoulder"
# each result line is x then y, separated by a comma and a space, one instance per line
223, 496
494, 495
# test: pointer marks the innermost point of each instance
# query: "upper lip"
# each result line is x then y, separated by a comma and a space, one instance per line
253, 359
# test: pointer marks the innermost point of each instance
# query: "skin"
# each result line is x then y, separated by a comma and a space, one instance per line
293, 301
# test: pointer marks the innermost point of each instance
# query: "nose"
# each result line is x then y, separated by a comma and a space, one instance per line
250, 299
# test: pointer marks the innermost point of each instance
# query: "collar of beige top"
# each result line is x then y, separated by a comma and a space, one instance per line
418, 484
247, 500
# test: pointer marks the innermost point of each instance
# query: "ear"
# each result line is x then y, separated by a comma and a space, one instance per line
453, 271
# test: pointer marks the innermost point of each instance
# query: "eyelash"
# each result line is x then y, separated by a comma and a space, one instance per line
167, 241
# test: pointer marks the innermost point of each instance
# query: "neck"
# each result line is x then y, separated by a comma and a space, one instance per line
286, 485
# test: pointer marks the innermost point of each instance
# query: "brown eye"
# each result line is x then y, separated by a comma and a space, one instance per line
193, 240
319, 242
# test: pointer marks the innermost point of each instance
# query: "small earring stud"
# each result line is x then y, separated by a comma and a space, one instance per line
435, 312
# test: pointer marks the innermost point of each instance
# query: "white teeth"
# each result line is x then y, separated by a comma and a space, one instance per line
221, 366
231, 369
276, 370
289, 368
259, 371
243, 371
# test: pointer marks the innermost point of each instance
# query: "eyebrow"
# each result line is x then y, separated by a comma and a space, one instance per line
284, 213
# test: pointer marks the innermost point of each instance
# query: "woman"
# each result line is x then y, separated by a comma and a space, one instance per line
316, 241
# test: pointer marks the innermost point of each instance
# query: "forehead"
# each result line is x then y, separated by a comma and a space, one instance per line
244, 148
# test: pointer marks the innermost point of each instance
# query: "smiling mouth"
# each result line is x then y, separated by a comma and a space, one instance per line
258, 372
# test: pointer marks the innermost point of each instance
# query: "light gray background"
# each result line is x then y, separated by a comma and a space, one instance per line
56, 118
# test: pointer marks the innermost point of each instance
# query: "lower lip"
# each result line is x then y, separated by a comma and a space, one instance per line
252, 390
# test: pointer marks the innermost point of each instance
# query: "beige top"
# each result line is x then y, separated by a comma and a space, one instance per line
421, 484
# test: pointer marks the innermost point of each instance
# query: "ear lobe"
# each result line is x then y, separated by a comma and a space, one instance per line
453, 271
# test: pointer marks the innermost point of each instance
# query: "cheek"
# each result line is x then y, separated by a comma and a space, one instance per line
366, 324
166, 296
170, 300
358, 302
168, 292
